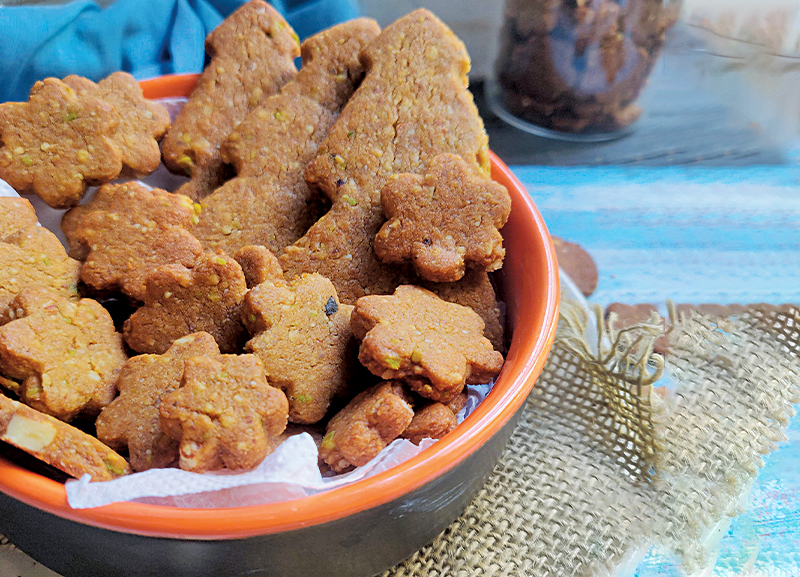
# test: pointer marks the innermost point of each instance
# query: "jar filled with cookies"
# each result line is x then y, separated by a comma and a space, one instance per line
573, 69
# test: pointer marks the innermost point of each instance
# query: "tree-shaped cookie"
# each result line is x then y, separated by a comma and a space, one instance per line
372, 420
302, 335
33, 256
226, 414
443, 221
15, 214
252, 55
180, 301
434, 346
66, 354
126, 232
142, 123
412, 106
57, 143
268, 202
132, 419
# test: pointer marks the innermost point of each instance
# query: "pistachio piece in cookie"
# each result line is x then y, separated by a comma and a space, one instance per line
66, 354
434, 346
225, 414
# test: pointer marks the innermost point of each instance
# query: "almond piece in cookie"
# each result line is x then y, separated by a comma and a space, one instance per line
132, 420
57, 143
225, 414
180, 301
57, 443
65, 353
434, 346
444, 221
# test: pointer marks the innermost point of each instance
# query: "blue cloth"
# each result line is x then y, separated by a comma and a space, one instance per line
143, 37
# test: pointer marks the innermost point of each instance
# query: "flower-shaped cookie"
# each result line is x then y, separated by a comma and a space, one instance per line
57, 143
303, 336
179, 301
142, 123
15, 214
225, 414
34, 256
128, 232
66, 353
445, 221
434, 346
372, 420
132, 419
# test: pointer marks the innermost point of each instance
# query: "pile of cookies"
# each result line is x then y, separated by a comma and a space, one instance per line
326, 264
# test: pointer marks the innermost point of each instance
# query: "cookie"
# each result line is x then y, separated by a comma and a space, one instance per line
443, 221
434, 346
142, 123
302, 334
366, 426
66, 354
34, 257
15, 214
132, 420
225, 414
126, 232
475, 291
252, 56
180, 301
578, 265
57, 143
433, 421
412, 105
258, 265
58, 444
269, 202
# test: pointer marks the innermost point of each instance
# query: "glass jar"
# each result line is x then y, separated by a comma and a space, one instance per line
573, 69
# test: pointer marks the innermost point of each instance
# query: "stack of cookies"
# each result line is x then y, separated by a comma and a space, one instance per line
327, 264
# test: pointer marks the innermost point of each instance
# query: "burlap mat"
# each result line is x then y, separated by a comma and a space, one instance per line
601, 466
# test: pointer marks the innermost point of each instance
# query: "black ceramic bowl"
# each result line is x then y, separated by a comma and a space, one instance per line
357, 530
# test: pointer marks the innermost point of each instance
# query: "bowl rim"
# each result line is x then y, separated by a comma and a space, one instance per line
510, 391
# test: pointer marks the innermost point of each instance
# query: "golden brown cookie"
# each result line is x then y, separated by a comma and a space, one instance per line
180, 301
433, 421
15, 214
269, 202
366, 426
32, 257
126, 232
434, 346
577, 263
225, 414
57, 143
258, 265
66, 354
132, 420
444, 221
252, 55
58, 444
303, 336
142, 123
412, 105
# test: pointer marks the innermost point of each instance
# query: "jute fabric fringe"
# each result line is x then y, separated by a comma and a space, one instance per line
601, 465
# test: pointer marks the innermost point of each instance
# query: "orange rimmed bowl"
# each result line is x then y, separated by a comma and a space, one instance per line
357, 530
